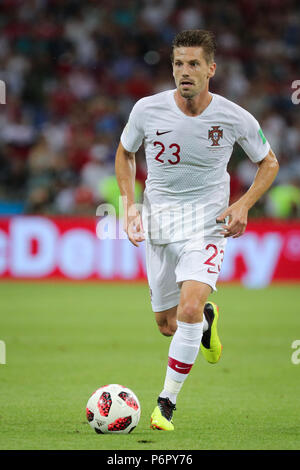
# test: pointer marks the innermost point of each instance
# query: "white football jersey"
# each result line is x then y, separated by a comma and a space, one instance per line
187, 184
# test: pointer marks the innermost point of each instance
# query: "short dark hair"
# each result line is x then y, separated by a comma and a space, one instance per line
196, 38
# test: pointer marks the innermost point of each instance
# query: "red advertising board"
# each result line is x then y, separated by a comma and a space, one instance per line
33, 247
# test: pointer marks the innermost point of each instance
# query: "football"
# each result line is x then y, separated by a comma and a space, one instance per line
113, 409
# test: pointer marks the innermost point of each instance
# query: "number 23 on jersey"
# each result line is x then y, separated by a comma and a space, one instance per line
164, 156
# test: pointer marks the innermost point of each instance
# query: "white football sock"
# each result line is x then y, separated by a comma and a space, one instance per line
183, 351
171, 389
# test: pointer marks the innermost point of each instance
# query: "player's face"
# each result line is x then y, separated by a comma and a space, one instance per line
191, 71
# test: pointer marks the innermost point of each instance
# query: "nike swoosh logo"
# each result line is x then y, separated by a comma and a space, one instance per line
161, 133
211, 272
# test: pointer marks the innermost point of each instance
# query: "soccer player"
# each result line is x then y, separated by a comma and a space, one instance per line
188, 135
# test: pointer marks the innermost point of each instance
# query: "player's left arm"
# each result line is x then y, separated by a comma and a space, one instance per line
238, 211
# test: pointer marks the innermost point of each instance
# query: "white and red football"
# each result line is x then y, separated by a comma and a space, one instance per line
113, 409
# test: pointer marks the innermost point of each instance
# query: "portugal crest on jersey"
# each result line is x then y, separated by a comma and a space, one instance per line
215, 134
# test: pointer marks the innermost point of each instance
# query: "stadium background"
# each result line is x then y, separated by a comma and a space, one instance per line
73, 71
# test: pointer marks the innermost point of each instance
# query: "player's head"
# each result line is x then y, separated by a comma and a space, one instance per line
193, 56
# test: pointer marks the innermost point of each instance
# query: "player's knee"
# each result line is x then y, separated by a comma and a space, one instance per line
191, 311
164, 330
167, 329
172, 327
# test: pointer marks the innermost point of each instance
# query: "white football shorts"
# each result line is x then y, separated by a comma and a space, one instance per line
171, 264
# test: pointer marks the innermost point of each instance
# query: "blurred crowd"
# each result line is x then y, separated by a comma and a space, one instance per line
74, 69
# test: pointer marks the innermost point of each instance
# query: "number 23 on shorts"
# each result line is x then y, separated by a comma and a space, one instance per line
210, 262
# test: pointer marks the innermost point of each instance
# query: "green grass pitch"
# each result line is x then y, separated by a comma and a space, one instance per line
64, 340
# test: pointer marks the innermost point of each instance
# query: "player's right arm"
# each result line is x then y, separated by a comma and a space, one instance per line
125, 168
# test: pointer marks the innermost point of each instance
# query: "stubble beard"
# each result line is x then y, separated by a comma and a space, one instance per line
187, 94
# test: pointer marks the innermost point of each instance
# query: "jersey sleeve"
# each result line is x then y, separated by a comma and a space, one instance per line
133, 133
251, 138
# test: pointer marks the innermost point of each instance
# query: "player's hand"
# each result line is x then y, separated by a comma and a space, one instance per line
133, 226
238, 216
